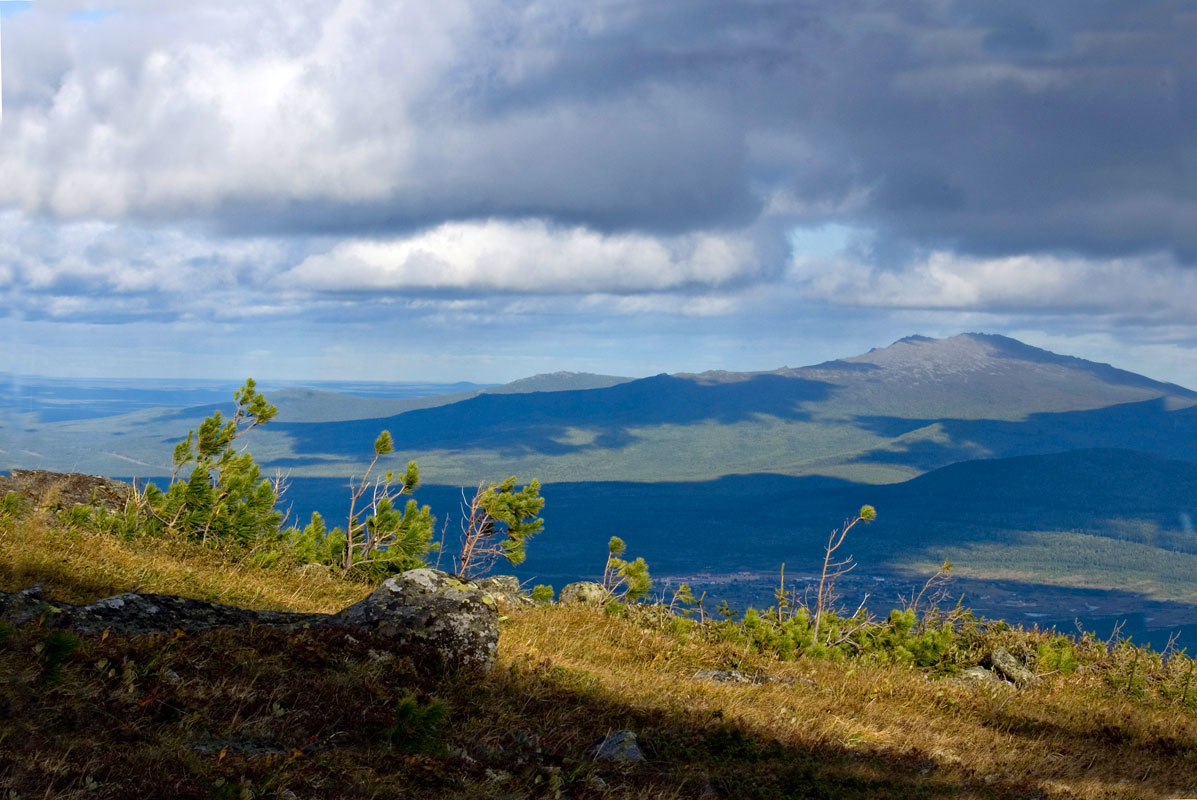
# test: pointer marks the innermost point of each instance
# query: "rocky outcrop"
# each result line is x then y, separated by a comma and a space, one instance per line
431, 616
65, 489
587, 592
142, 614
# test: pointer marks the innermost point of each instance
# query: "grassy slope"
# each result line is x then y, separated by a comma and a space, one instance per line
259, 713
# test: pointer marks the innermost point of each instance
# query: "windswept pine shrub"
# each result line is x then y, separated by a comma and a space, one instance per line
628, 581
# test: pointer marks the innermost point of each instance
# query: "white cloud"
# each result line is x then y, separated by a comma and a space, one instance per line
104, 270
529, 256
173, 109
1147, 287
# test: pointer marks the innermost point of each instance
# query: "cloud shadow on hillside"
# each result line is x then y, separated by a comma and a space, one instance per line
1147, 426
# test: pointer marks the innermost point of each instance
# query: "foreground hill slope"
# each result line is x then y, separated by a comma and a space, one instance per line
260, 712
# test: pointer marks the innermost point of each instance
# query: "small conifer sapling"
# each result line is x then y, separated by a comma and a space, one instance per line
625, 580
835, 569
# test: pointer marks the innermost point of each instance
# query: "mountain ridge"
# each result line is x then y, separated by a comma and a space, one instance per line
879, 417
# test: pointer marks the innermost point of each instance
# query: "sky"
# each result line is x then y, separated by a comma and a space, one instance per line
468, 190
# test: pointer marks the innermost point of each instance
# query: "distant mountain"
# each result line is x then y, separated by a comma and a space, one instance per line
981, 376
317, 405
1020, 465
557, 382
882, 417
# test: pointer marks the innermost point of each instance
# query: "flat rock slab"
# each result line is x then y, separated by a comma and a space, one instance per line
142, 614
735, 676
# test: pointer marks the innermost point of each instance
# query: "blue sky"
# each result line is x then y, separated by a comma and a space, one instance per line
359, 189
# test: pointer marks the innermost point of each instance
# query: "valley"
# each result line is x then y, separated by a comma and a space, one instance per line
1055, 476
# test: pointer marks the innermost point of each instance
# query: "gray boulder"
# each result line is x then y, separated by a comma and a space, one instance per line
434, 613
587, 592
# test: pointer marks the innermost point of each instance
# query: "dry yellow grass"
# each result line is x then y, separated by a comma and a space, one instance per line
79, 566
566, 675
1067, 736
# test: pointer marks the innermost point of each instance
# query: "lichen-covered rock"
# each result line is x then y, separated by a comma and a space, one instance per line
977, 675
505, 589
587, 592
65, 489
434, 614
24, 605
1009, 667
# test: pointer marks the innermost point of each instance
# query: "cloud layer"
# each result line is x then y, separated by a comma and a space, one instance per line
997, 131
244, 162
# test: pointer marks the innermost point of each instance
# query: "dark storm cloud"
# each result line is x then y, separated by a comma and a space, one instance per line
987, 128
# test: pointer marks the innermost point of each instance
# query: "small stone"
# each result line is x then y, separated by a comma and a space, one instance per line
723, 676
497, 775
619, 746
504, 588
461, 754
977, 675
587, 592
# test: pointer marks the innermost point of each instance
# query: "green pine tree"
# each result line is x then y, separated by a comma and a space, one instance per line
224, 498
